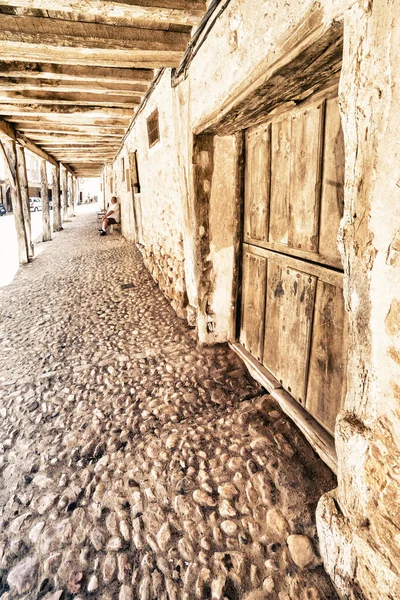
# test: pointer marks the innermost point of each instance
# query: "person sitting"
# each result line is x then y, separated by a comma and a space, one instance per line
111, 217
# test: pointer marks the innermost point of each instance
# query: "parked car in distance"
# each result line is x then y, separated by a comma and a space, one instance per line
35, 204
2, 210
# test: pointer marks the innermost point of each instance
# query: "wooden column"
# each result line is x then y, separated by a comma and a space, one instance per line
46, 235
74, 187
8, 150
64, 203
57, 210
69, 184
24, 190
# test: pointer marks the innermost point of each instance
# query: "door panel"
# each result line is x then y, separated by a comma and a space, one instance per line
253, 304
305, 178
257, 184
288, 323
280, 181
332, 201
327, 377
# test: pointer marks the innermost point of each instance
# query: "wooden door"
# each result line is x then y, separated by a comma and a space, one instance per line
293, 320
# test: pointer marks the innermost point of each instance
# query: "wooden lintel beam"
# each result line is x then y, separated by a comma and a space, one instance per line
178, 12
63, 72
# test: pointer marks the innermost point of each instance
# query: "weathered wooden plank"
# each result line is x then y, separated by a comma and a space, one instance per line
44, 194
30, 145
305, 178
106, 88
332, 201
185, 13
86, 159
7, 130
297, 253
70, 199
253, 304
62, 98
70, 120
69, 129
272, 358
280, 181
327, 374
8, 152
257, 184
98, 57
64, 195
24, 193
288, 326
57, 223
62, 72
84, 112
269, 381
328, 275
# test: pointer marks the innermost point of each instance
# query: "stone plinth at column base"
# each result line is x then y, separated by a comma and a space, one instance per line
356, 565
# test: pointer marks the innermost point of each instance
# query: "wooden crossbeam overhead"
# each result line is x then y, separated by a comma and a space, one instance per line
72, 42
51, 110
187, 12
13, 84
64, 120
79, 99
47, 71
71, 129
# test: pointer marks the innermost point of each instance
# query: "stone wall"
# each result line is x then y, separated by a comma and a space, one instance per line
191, 223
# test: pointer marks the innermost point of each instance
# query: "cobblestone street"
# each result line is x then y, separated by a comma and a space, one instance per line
135, 463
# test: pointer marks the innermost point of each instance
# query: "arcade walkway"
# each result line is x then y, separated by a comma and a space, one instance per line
135, 463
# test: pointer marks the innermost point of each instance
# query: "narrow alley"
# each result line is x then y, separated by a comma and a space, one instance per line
136, 463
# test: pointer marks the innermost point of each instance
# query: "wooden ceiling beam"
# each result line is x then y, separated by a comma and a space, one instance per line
70, 129
79, 99
49, 71
177, 12
84, 112
69, 120
12, 84
73, 42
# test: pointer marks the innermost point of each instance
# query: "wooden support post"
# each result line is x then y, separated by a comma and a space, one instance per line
69, 186
24, 191
73, 195
46, 235
57, 224
64, 194
8, 151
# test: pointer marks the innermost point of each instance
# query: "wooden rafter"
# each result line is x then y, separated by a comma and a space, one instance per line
165, 11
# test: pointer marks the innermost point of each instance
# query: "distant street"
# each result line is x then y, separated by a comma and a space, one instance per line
8, 244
